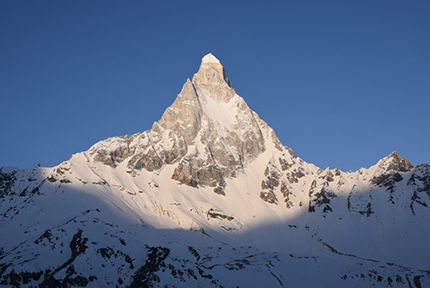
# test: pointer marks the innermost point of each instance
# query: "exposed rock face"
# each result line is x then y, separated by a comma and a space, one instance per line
208, 116
396, 163
194, 172
184, 116
269, 184
389, 168
6, 181
287, 194
420, 181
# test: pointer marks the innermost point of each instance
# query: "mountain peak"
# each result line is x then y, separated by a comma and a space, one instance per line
395, 162
209, 58
211, 79
395, 155
210, 185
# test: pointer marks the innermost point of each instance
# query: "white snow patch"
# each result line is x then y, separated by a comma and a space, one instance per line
209, 58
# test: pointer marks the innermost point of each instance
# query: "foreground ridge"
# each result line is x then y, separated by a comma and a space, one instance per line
210, 197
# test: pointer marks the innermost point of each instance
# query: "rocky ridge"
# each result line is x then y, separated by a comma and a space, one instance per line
209, 130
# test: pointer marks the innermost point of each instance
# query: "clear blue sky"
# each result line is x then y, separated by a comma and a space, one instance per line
343, 83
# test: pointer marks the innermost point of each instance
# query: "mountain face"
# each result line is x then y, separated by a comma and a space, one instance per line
209, 132
209, 197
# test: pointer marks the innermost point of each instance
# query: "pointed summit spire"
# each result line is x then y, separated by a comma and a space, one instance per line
209, 58
212, 78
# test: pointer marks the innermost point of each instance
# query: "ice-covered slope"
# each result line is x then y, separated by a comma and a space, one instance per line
209, 196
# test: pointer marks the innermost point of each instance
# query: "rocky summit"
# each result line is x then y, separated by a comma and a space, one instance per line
209, 197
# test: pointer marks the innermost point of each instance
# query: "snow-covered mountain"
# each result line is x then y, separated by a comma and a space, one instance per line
209, 197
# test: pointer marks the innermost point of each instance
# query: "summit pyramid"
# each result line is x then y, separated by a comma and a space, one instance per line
209, 197
209, 132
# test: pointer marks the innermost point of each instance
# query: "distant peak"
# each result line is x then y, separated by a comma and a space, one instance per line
209, 58
396, 162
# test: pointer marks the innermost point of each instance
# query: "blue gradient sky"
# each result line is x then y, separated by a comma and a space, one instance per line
343, 83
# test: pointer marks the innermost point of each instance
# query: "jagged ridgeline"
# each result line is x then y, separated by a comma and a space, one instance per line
209, 197
209, 131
